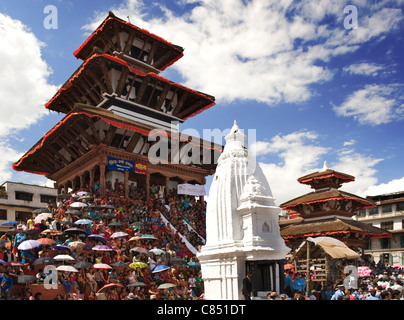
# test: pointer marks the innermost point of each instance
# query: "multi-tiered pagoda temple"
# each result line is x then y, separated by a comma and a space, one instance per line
117, 109
328, 211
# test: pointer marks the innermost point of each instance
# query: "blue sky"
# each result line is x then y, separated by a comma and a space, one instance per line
312, 89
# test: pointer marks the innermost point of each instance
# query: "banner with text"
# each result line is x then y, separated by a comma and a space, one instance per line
121, 164
140, 168
191, 189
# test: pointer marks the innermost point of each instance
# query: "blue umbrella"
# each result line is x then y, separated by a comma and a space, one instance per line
9, 223
160, 267
193, 264
83, 221
61, 247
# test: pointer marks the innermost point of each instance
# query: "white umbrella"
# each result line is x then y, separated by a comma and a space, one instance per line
29, 244
63, 257
157, 251
119, 234
78, 205
43, 216
67, 268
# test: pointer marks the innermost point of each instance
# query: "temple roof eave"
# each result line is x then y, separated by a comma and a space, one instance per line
42, 147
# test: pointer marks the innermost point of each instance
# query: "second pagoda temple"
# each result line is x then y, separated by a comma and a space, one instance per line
328, 211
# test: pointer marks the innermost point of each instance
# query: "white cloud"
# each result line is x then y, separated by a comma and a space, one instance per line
395, 185
260, 50
24, 86
374, 104
8, 156
350, 142
300, 154
367, 69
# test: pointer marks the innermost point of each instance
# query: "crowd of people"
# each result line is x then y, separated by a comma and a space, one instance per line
121, 248
383, 283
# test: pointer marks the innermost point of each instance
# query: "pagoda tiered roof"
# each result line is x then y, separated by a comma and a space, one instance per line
331, 227
326, 178
139, 47
85, 129
105, 74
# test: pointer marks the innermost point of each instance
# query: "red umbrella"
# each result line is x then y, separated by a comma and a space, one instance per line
109, 285
288, 266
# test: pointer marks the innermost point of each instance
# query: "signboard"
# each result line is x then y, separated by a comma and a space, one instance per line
191, 189
140, 168
120, 164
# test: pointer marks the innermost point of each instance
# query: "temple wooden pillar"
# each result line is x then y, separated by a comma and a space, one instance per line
126, 184
103, 185
148, 186
167, 184
92, 182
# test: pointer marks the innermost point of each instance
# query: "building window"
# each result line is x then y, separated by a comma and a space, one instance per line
387, 225
26, 196
402, 241
385, 243
48, 199
361, 213
387, 208
374, 210
23, 215
400, 206
3, 214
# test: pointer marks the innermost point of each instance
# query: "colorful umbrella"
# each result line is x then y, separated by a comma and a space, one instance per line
76, 245
140, 250
160, 267
61, 247
119, 264
41, 210
67, 268
9, 223
138, 264
109, 285
148, 237
78, 204
75, 230
84, 221
102, 266
52, 232
83, 265
46, 241
119, 234
166, 285
29, 244
157, 251
63, 257
97, 237
43, 216
102, 247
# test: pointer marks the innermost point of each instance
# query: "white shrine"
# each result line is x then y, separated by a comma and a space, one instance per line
242, 227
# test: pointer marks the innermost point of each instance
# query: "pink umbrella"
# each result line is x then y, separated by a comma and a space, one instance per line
101, 247
364, 271
102, 266
109, 285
